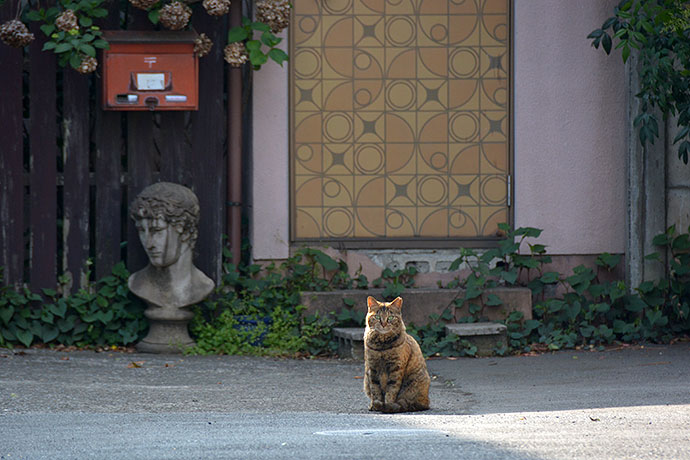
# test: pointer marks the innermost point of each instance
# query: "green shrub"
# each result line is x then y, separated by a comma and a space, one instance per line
106, 314
270, 297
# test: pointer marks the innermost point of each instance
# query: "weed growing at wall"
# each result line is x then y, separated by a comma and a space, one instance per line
588, 312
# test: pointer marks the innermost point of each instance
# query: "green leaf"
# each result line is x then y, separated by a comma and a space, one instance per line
8, 334
48, 29
601, 307
510, 276
606, 42
270, 40
85, 21
326, 261
253, 45
237, 34
646, 287
586, 331
49, 333
455, 264
608, 261
493, 300
681, 242
75, 60
6, 314
24, 336
635, 304
260, 26
63, 47
258, 58
528, 232
531, 324
550, 277
88, 50
33, 15
99, 13
102, 44
66, 324
154, 16
278, 55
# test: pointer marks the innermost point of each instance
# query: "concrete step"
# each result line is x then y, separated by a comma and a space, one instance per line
418, 304
485, 336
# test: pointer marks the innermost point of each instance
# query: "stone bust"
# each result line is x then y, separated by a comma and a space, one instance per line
166, 216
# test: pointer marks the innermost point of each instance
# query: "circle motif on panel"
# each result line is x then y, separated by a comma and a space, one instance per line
338, 222
400, 30
432, 190
463, 126
401, 95
338, 127
463, 62
369, 158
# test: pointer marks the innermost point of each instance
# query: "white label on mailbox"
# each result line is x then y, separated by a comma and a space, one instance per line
176, 98
150, 81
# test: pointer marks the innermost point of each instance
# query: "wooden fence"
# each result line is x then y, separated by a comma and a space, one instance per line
68, 169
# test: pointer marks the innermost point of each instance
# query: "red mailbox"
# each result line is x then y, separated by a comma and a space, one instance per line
150, 70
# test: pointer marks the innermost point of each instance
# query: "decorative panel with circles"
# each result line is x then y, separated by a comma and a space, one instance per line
400, 118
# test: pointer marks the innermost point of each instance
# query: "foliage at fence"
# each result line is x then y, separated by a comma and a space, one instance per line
105, 313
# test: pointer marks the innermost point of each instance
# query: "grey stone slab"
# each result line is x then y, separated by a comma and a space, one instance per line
471, 329
350, 333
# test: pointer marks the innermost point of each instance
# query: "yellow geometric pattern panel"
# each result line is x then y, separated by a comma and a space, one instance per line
400, 118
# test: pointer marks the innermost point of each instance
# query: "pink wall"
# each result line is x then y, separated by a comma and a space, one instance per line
569, 138
270, 185
570, 128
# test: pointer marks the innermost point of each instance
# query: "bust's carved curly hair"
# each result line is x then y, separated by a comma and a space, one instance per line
174, 203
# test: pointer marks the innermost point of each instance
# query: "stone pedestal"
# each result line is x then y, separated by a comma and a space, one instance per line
167, 331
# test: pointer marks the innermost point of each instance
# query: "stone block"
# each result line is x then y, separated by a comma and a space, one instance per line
485, 336
350, 342
513, 298
418, 304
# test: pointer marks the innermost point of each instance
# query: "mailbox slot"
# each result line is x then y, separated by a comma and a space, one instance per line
150, 70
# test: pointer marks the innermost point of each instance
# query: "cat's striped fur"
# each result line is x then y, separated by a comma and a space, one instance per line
395, 374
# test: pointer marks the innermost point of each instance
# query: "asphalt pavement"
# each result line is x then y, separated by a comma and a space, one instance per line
628, 403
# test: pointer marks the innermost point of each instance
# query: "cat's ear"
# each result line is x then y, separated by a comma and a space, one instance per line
371, 302
397, 303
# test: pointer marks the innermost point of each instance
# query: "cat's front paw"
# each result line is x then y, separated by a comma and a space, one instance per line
376, 405
391, 408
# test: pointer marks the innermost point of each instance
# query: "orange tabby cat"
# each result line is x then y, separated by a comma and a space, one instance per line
395, 375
